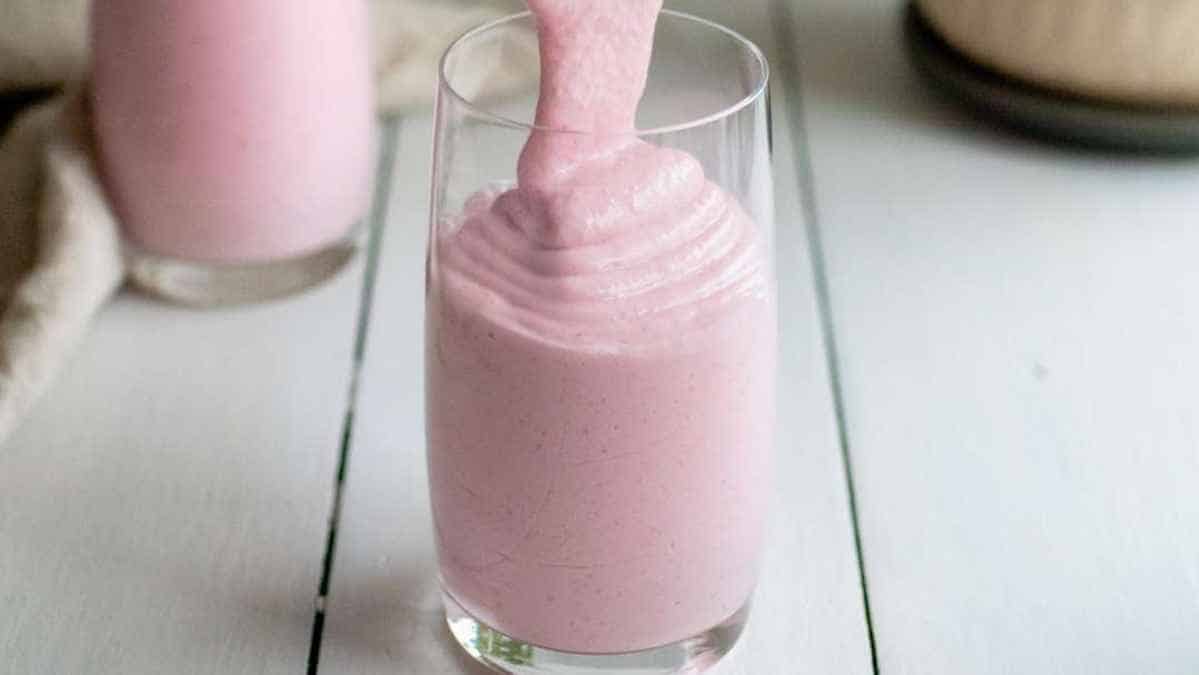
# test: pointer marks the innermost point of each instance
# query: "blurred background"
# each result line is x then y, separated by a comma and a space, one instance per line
990, 445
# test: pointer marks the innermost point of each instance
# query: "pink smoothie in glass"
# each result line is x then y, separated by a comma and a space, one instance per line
234, 130
601, 357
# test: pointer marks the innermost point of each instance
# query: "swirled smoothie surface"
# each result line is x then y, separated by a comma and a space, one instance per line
601, 350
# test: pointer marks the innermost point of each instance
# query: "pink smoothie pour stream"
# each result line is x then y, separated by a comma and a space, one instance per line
601, 353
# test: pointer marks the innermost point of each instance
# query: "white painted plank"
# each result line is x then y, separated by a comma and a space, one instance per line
1018, 332
164, 509
384, 611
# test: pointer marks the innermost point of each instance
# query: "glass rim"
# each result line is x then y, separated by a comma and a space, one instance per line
758, 92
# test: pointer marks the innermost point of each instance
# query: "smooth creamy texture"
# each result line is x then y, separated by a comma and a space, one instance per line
1139, 51
601, 359
234, 130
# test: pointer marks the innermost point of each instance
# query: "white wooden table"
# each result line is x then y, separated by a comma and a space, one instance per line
989, 461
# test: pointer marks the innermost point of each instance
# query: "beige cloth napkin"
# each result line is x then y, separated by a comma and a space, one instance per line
60, 256
59, 250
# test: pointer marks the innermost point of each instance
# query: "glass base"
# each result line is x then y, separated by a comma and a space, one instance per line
206, 284
505, 654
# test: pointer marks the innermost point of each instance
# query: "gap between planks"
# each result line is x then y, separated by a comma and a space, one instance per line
790, 70
388, 149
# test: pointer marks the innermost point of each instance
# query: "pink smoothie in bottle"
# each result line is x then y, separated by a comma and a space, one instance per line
233, 130
601, 354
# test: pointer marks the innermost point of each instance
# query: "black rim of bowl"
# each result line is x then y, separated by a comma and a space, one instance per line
1046, 113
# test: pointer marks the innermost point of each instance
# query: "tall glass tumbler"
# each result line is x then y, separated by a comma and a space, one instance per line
600, 363
235, 140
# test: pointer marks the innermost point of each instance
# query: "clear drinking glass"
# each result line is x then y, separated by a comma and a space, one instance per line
601, 394
235, 140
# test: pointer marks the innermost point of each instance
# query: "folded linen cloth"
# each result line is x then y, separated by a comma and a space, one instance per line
59, 249
43, 43
60, 256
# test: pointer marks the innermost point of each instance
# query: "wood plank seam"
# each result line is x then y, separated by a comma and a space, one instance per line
388, 149
804, 170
